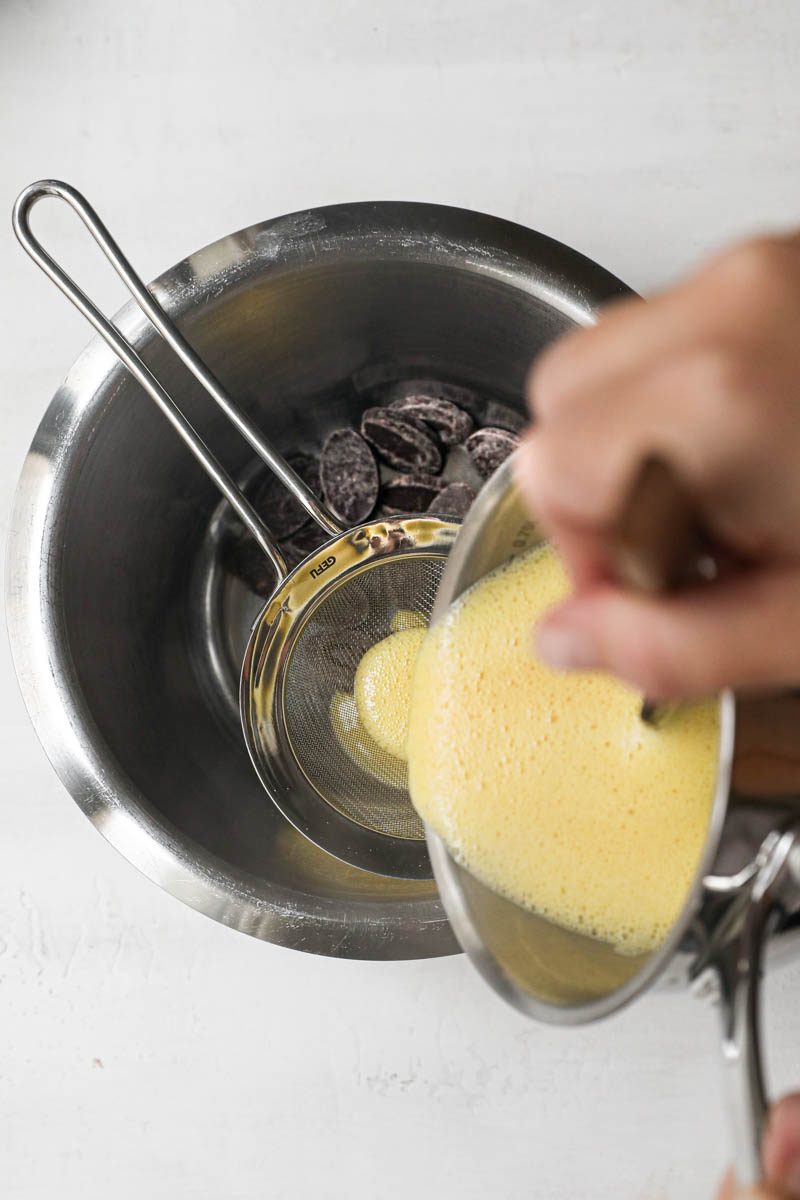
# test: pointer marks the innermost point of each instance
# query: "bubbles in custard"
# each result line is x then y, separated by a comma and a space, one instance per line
373, 722
383, 688
547, 785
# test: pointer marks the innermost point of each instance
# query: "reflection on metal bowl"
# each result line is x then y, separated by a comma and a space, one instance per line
127, 625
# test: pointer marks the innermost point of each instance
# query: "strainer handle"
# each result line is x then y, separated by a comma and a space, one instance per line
737, 963
128, 356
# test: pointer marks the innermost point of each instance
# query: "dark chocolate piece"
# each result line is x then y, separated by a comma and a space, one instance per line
489, 448
410, 493
402, 440
349, 476
410, 418
500, 416
241, 555
451, 423
435, 389
271, 499
453, 500
303, 543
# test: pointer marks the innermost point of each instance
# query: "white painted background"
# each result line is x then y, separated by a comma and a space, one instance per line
144, 1051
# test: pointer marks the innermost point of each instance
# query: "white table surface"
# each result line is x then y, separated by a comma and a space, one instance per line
144, 1050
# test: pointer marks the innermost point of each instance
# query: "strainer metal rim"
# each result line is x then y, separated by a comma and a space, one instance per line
268, 648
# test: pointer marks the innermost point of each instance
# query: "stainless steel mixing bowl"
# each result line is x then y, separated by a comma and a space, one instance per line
128, 631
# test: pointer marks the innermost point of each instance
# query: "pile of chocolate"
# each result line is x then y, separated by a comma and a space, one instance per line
426, 448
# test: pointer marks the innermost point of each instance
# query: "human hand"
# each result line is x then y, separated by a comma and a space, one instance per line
707, 377
781, 1156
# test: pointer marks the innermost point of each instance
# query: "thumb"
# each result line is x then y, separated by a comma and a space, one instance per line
781, 1154
781, 1148
739, 633
729, 1191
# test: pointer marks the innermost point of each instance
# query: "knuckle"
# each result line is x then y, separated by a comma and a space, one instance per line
691, 668
543, 488
726, 392
657, 677
537, 477
751, 272
530, 387
547, 387
665, 663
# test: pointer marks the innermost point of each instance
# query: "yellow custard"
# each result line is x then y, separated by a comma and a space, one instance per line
383, 687
547, 785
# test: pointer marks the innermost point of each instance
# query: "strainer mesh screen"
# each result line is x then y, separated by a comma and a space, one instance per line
339, 759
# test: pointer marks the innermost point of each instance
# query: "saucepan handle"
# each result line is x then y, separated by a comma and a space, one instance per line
736, 962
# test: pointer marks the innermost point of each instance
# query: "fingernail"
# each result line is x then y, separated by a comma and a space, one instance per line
566, 648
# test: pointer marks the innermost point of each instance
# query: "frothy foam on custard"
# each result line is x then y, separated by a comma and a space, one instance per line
547, 785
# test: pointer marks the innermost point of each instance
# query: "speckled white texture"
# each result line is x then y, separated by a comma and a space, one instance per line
146, 1052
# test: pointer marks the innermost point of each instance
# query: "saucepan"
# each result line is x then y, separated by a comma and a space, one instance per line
747, 886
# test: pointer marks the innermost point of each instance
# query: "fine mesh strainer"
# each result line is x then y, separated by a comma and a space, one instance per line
296, 695
320, 665
747, 885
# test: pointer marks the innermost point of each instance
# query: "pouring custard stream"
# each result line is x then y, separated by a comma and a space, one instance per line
547, 785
